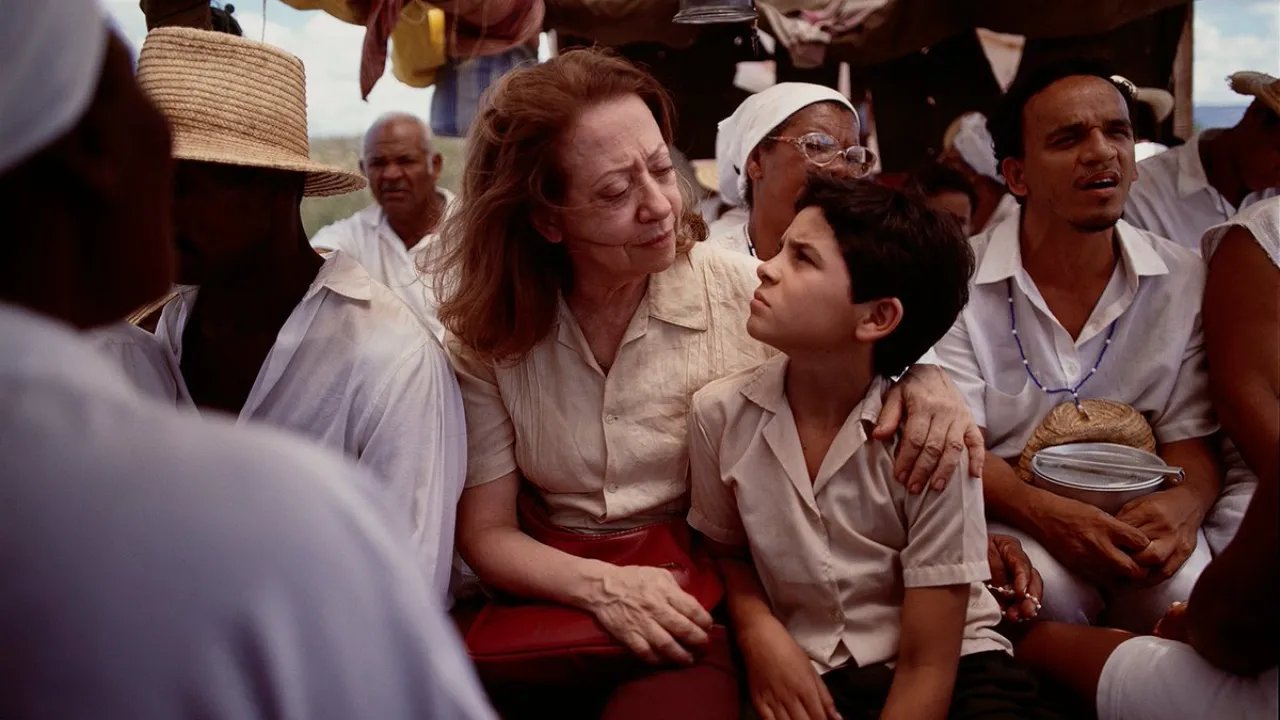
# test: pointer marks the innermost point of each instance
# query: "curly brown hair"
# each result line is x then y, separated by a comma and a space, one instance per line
498, 279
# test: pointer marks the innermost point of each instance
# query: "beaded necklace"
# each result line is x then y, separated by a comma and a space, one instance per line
1075, 391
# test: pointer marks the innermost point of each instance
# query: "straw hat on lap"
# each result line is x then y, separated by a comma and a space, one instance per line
1094, 421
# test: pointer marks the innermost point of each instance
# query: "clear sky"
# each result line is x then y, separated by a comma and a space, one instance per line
1230, 35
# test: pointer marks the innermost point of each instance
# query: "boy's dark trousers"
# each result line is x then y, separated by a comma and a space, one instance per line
989, 685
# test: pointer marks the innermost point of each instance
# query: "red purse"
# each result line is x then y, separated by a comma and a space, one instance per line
515, 641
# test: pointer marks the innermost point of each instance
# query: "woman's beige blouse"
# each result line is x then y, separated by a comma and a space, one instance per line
610, 450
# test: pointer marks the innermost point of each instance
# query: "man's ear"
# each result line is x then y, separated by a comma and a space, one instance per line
880, 318
755, 169
437, 165
548, 226
1012, 169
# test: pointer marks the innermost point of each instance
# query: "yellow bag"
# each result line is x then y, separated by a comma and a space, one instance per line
418, 44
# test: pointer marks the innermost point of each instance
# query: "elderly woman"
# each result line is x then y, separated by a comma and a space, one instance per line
765, 149
582, 316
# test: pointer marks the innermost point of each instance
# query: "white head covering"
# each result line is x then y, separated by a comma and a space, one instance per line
759, 114
51, 55
973, 141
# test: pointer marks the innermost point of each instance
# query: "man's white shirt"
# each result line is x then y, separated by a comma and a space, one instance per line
368, 237
1155, 361
353, 369
156, 562
1173, 198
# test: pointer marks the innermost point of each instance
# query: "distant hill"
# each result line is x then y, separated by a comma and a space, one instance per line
345, 153
1211, 116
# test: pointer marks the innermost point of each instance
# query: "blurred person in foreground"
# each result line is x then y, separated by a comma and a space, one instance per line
157, 565
391, 237
263, 327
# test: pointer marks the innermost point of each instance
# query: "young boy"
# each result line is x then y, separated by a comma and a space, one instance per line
863, 600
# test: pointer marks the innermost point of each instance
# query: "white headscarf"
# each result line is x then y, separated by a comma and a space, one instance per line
759, 114
51, 55
973, 142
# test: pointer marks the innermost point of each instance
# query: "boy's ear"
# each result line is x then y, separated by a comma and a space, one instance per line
880, 317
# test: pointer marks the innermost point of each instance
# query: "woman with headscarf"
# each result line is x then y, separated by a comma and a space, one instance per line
765, 149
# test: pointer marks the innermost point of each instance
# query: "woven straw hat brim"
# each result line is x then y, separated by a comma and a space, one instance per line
1095, 421
1260, 85
235, 101
322, 180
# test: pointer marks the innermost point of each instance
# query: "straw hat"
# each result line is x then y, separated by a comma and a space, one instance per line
1093, 421
236, 102
1260, 85
1161, 101
707, 175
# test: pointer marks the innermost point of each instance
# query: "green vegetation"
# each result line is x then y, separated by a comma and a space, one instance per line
345, 153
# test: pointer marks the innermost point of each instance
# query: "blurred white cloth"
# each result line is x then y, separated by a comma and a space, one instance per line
974, 144
160, 565
1149, 678
51, 54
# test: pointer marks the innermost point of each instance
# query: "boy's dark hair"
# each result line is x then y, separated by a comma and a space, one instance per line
1006, 123
895, 246
935, 178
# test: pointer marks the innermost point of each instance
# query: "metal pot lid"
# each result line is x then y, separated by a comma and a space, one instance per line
1102, 466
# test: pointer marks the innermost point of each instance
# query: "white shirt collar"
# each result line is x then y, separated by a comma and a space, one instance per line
1003, 257
373, 218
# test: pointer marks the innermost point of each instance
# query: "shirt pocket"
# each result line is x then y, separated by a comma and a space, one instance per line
1012, 416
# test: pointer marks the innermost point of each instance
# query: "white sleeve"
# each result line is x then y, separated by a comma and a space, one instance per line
413, 437
1189, 412
954, 353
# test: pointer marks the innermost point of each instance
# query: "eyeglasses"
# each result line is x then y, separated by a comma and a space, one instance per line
821, 150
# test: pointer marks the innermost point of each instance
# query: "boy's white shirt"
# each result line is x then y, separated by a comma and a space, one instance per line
834, 555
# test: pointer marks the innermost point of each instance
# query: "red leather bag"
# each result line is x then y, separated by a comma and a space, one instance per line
512, 640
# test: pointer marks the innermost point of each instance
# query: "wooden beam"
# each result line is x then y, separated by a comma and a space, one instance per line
1183, 63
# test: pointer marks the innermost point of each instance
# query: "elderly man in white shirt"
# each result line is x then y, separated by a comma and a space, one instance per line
156, 565
267, 330
391, 238
1069, 301
1183, 192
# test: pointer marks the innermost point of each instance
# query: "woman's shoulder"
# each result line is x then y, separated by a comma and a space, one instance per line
733, 271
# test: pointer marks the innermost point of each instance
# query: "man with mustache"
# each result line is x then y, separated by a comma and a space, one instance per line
1069, 303
390, 237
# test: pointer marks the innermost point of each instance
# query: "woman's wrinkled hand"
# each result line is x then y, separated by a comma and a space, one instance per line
938, 428
645, 609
